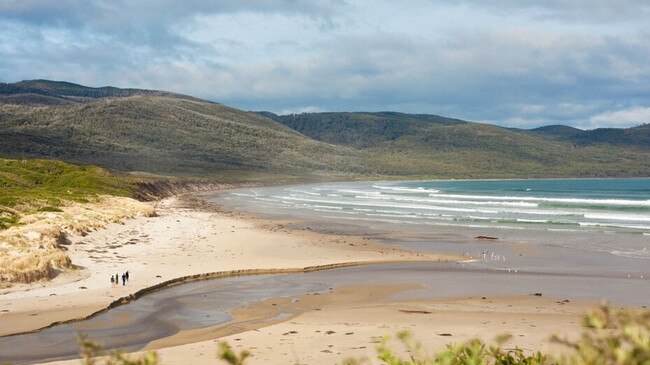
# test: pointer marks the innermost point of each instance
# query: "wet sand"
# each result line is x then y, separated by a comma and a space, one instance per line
203, 310
350, 322
185, 240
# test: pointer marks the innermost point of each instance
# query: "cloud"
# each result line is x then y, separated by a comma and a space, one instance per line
623, 118
585, 11
496, 61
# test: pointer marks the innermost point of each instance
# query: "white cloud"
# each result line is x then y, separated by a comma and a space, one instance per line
621, 118
497, 60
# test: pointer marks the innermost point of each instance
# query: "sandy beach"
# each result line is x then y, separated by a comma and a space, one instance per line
187, 237
351, 322
190, 237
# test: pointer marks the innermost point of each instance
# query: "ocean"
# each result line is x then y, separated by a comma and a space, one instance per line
585, 226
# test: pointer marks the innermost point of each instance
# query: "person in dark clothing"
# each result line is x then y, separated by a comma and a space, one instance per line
127, 276
112, 280
117, 279
123, 279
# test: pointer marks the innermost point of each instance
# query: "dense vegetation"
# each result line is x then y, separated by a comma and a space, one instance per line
164, 133
609, 337
27, 186
428, 145
167, 135
45, 92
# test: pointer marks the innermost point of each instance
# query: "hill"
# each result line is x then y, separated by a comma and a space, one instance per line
165, 134
169, 134
638, 136
557, 131
426, 145
46, 92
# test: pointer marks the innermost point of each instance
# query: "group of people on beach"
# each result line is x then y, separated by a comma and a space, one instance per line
116, 279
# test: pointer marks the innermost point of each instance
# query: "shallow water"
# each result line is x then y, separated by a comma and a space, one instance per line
207, 303
598, 226
565, 261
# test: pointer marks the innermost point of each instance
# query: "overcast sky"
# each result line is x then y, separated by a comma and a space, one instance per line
584, 63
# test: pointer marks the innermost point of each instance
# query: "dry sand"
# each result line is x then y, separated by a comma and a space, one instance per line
351, 321
312, 329
182, 240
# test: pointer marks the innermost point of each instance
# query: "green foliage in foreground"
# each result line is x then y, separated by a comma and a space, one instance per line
609, 337
28, 186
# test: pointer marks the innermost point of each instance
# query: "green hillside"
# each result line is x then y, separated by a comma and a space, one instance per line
638, 136
128, 130
46, 92
167, 135
31, 185
428, 145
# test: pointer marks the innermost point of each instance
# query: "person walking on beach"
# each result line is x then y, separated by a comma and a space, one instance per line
112, 280
117, 279
123, 279
127, 276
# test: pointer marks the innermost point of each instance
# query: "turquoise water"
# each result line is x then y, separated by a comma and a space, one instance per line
591, 205
561, 219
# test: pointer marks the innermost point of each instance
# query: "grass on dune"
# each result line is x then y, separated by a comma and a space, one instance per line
29, 186
40, 205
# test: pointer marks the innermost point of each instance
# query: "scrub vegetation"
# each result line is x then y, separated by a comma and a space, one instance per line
30, 186
163, 133
42, 202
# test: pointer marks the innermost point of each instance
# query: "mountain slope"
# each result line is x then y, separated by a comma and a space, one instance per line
404, 144
556, 131
46, 92
636, 136
164, 134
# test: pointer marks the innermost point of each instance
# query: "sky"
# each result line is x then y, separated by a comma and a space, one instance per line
584, 63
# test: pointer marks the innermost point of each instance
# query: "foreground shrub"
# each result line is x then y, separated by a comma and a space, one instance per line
473, 352
610, 337
92, 354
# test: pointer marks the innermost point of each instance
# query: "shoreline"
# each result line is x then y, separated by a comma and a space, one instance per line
155, 248
241, 237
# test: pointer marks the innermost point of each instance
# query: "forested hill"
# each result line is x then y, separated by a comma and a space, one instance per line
368, 129
165, 133
406, 143
48, 92
638, 136
159, 132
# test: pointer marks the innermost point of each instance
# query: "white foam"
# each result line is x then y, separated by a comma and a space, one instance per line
614, 225
450, 201
404, 206
637, 254
619, 217
404, 189
616, 202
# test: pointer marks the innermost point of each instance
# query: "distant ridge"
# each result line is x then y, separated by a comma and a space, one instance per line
171, 134
559, 131
46, 92
153, 131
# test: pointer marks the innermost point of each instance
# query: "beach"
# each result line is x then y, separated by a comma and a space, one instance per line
317, 321
182, 240
352, 321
